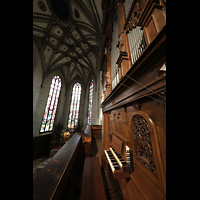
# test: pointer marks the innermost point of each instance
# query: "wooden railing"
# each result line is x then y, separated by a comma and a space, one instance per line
92, 184
57, 179
61, 177
96, 131
88, 130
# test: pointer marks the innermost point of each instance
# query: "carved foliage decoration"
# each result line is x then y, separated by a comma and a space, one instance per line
107, 77
135, 16
121, 44
144, 151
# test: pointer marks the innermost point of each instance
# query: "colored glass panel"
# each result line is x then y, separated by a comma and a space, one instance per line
74, 107
90, 103
51, 105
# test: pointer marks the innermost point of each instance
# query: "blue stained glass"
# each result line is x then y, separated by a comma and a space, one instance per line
74, 108
51, 105
90, 103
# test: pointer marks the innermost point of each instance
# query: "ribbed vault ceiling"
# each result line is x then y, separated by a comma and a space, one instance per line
68, 33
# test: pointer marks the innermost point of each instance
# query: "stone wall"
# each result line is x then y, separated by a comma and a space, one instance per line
40, 95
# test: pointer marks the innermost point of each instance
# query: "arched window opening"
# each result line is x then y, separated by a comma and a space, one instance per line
90, 103
75, 104
51, 105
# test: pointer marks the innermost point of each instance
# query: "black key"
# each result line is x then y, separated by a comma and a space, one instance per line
116, 168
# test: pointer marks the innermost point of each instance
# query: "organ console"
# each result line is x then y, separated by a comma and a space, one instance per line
119, 167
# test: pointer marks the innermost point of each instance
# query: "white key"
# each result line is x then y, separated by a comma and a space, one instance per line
116, 158
110, 163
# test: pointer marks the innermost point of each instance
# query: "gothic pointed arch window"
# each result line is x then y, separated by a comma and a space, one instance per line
75, 104
90, 102
51, 105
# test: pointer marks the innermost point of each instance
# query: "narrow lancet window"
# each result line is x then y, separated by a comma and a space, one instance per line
51, 105
75, 104
90, 103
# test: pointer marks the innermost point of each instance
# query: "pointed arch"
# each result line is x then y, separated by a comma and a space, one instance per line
74, 107
51, 105
90, 102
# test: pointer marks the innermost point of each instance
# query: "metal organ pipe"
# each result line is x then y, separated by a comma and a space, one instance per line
137, 43
135, 36
114, 55
127, 6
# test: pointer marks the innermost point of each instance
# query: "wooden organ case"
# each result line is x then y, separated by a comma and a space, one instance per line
134, 110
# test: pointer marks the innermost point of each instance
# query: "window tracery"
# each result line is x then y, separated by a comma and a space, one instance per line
75, 104
90, 103
51, 105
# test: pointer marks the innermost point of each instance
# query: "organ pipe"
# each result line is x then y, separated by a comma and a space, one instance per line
114, 55
137, 43
127, 6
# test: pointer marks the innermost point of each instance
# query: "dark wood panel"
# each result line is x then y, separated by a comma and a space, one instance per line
88, 130
41, 145
117, 143
96, 131
92, 184
151, 30
50, 181
87, 139
145, 184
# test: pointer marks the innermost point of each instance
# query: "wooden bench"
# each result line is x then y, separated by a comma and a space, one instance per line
92, 183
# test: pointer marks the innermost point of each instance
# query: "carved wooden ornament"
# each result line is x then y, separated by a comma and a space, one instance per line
142, 139
135, 17
121, 43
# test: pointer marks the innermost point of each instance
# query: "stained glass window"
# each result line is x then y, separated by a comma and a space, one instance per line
74, 108
90, 103
51, 105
